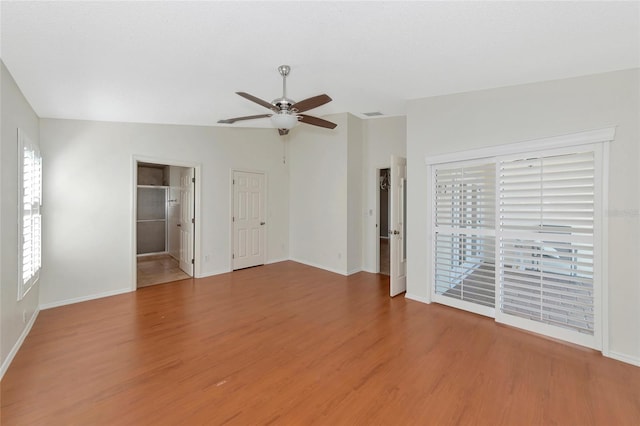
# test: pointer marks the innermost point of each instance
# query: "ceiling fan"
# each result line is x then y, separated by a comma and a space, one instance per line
286, 113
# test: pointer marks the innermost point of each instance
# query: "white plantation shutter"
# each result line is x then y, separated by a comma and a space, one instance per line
516, 233
30, 198
464, 238
546, 237
549, 194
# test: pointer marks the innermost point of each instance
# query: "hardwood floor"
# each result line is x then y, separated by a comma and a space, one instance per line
158, 269
289, 344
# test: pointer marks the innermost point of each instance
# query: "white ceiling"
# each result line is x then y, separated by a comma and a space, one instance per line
181, 62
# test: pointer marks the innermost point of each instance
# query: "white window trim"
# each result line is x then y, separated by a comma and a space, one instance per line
602, 136
24, 287
573, 139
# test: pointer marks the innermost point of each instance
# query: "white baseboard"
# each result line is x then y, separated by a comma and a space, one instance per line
417, 298
354, 271
315, 265
624, 358
212, 273
269, 262
50, 305
16, 347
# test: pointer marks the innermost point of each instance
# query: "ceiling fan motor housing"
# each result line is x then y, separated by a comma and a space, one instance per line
283, 104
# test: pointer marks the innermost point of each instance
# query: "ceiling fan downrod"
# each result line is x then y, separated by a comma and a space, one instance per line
284, 103
284, 71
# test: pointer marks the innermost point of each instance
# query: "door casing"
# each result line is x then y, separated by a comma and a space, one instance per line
186, 223
135, 159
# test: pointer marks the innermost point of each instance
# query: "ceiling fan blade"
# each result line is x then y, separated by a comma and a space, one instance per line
248, 117
310, 103
315, 121
283, 132
258, 101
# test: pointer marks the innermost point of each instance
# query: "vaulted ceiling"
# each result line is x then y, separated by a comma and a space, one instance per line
181, 62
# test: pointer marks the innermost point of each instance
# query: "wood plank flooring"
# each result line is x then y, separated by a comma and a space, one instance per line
287, 344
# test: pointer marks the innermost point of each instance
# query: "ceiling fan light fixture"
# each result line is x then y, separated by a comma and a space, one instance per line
284, 120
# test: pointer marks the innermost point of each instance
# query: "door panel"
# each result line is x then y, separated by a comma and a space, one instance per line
397, 233
186, 222
249, 234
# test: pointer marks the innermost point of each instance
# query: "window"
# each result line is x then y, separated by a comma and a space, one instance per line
516, 234
546, 240
30, 198
464, 240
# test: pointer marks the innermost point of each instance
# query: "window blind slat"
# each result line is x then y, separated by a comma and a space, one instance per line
463, 261
541, 279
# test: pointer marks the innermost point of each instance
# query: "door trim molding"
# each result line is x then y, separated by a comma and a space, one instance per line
376, 217
197, 232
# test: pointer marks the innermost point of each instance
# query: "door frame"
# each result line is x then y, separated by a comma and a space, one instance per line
232, 206
377, 216
186, 264
135, 159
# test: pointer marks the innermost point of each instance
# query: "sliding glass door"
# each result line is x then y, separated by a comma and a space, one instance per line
515, 238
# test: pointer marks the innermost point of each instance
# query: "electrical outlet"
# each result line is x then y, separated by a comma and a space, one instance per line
206, 257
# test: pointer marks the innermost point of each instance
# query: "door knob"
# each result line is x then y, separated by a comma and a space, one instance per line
262, 223
394, 232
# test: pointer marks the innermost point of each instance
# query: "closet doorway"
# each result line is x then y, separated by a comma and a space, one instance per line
164, 223
384, 187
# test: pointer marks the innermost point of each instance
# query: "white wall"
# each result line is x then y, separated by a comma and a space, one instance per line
519, 113
383, 137
327, 192
88, 188
355, 193
318, 195
15, 113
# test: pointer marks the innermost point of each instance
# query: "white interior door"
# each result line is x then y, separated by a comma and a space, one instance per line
186, 222
398, 228
173, 216
249, 234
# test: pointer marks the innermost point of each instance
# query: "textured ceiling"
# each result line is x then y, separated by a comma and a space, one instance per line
181, 62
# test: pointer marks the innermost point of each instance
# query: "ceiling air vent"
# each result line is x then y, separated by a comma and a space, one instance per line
372, 114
